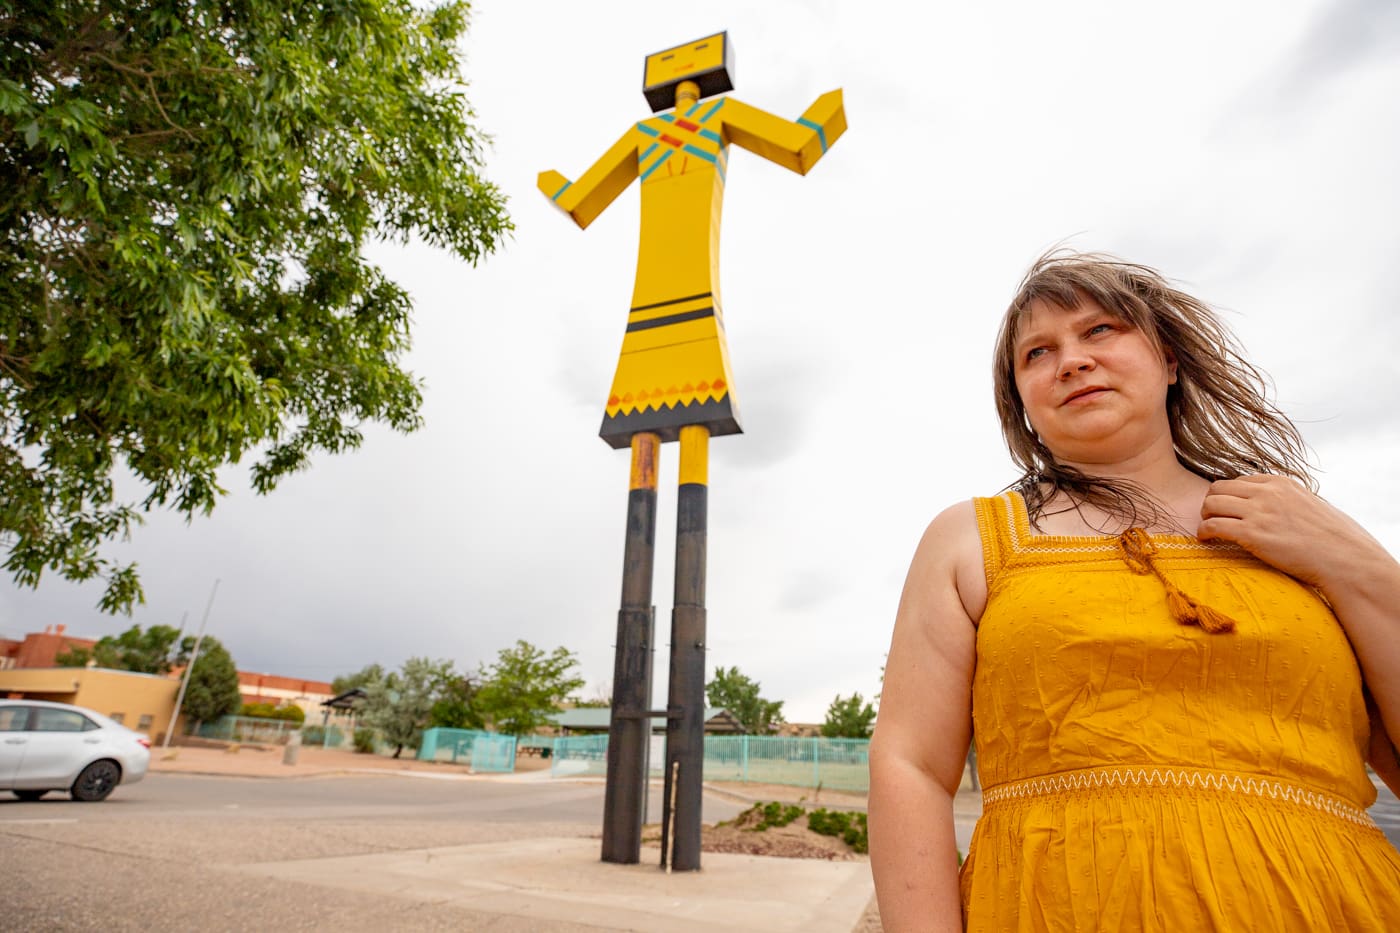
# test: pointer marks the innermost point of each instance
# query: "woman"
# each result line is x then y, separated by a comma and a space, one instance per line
1161, 634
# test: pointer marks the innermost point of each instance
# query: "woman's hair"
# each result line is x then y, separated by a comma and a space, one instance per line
1222, 424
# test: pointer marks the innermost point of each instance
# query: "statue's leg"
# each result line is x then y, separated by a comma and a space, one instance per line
630, 730
685, 724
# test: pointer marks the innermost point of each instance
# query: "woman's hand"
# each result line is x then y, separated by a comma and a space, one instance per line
1283, 524
1289, 528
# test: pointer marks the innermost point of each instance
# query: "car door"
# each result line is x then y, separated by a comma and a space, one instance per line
60, 742
14, 737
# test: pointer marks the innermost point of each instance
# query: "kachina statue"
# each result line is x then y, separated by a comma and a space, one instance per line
673, 382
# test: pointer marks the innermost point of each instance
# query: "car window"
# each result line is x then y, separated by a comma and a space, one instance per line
61, 720
14, 718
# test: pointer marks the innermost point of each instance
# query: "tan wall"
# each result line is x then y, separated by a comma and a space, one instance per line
134, 696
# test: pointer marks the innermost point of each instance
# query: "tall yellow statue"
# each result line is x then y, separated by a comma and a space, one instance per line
674, 368
673, 383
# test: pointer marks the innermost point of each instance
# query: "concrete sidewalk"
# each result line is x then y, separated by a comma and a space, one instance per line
560, 884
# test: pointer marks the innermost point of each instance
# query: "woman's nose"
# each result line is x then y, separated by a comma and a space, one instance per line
1077, 363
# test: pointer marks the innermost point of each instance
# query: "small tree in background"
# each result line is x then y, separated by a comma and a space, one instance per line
213, 686
850, 718
400, 705
525, 686
369, 674
455, 706
740, 695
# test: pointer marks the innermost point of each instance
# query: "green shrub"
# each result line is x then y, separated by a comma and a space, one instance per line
364, 741
289, 713
851, 827
776, 814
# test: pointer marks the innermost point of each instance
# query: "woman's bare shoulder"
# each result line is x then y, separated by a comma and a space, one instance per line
952, 546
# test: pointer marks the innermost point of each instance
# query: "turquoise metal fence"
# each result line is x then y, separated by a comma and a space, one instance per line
836, 764
542, 745
579, 755
248, 729
493, 753
443, 744
485, 751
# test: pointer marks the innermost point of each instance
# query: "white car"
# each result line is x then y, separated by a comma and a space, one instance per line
53, 746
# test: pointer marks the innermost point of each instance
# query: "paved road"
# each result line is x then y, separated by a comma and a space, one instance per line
166, 854
391, 796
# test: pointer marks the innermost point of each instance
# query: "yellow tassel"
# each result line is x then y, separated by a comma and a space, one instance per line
1215, 622
1138, 550
1182, 607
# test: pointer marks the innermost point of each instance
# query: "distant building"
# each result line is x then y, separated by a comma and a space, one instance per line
40, 649
285, 691
803, 730
142, 702
136, 704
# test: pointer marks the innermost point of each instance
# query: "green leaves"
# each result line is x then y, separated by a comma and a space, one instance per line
525, 687
737, 693
850, 718
185, 194
213, 686
399, 705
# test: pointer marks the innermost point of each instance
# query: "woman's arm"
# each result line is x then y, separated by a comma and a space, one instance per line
921, 739
1281, 523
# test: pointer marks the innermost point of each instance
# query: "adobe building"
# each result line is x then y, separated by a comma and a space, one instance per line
138, 701
40, 649
285, 691
142, 702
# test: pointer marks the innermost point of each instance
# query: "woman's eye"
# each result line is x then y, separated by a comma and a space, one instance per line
1034, 352
1100, 328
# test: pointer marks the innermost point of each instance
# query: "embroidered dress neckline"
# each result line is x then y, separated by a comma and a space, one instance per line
1022, 535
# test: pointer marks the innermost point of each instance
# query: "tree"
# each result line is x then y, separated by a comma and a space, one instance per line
187, 189
525, 686
213, 686
146, 652
369, 674
740, 695
399, 705
455, 706
850, 718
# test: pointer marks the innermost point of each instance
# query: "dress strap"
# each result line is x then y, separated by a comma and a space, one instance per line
994, 517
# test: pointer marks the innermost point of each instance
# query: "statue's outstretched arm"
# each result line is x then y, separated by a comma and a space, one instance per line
588, 197
795, 146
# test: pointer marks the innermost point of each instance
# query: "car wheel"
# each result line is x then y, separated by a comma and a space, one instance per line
30, 794
97, 781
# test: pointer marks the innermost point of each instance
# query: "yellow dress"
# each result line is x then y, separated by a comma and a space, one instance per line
1143, 774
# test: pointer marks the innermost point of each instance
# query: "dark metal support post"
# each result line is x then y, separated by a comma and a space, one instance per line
630, 729
685, 730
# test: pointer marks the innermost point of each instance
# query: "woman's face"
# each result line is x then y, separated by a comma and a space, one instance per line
1093, 386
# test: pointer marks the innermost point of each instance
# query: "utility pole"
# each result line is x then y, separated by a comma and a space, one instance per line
189, 668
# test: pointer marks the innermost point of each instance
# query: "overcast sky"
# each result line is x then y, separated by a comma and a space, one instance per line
1246, 150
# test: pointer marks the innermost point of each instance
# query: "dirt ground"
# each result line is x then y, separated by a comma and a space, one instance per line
742, 836
794, 840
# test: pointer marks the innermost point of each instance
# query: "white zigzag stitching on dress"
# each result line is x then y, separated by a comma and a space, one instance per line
1178, 777
1110, 544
